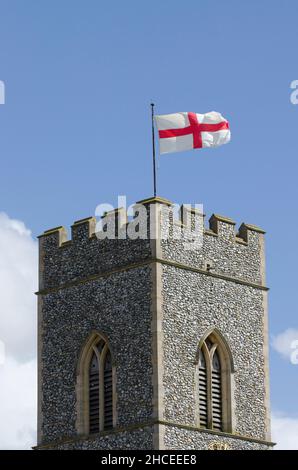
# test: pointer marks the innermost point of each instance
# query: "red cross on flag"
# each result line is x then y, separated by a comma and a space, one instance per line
186, 131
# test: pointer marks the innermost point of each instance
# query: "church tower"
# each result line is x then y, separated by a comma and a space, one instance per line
157, 340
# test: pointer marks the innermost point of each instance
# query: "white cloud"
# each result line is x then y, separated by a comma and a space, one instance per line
18, 281
284, 343
284, 431
18, 404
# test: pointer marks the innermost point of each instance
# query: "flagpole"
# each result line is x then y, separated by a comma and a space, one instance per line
153, 149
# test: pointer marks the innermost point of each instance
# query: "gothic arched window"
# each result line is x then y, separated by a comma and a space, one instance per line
214, 383
95, 387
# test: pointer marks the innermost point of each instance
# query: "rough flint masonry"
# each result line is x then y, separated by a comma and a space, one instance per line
131, 222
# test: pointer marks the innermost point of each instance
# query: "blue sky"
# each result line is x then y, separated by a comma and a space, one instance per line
75, 128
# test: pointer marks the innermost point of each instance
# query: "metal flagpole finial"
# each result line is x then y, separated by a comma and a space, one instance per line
153, 149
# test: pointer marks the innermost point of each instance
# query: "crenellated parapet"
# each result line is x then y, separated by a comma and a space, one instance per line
156, 229
218, 248
64, 261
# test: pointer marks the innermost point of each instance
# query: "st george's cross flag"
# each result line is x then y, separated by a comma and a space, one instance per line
186, 131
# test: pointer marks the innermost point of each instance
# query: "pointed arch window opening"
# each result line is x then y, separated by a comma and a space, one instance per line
100, 388
213, 386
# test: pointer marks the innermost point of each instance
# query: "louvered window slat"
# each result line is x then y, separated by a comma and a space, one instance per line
108, 393
99, 389
210, 386
216, 392
202, 391
94, 395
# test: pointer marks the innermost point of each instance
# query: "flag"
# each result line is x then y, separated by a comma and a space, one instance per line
186, 131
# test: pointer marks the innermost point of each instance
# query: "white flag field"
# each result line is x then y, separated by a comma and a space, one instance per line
179, 132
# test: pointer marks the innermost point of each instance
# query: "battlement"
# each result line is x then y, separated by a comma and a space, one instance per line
155, 229
218, 225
